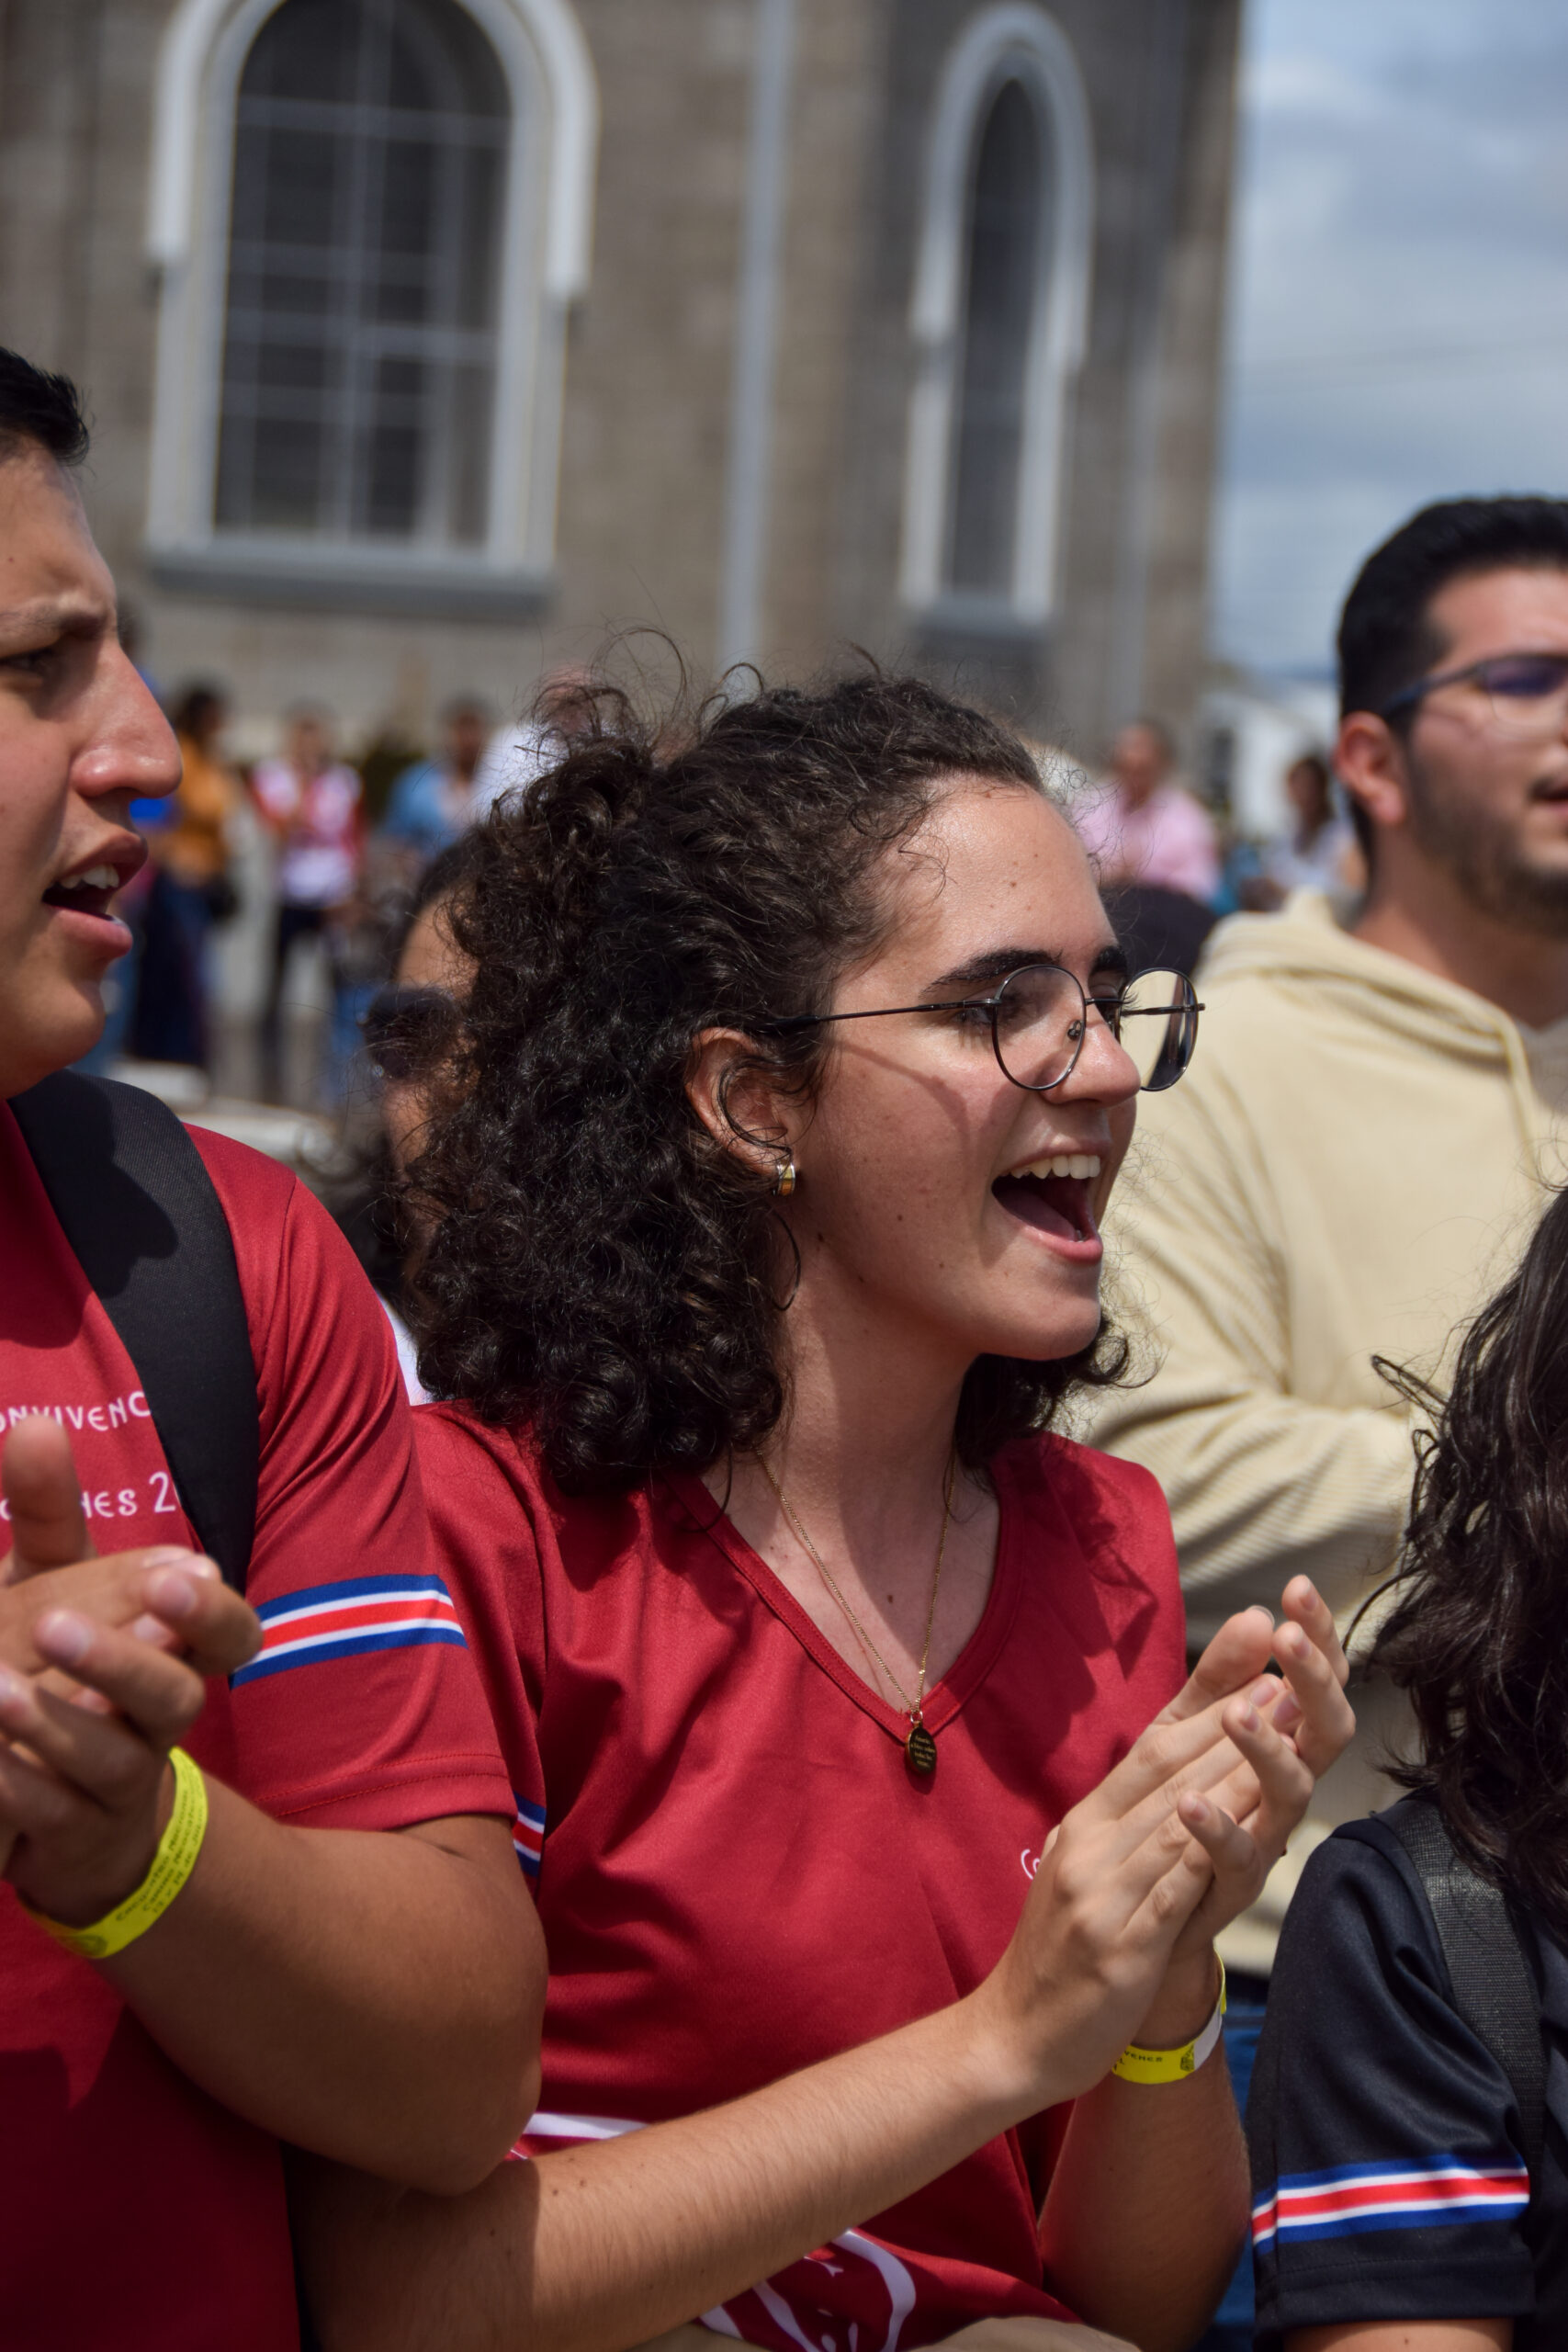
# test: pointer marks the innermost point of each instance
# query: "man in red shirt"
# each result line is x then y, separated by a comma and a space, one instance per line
370, 1996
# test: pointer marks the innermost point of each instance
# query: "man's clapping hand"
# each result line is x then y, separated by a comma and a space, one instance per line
102, 1664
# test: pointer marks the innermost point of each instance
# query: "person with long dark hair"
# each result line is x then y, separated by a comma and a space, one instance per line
1392, 2130
879, 1837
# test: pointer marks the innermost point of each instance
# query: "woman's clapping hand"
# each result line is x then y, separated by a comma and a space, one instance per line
1114, 1941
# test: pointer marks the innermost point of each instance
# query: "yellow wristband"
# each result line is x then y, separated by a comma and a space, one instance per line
1139, 2065
172, 1865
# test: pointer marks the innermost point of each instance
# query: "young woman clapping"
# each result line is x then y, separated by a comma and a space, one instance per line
871, 1815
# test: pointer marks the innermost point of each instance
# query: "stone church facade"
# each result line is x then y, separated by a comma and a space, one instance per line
428, 342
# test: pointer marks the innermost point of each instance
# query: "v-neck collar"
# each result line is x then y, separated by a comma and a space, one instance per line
942, 1700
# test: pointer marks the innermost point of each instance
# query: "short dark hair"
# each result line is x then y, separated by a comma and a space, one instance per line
37, 406
1386, 639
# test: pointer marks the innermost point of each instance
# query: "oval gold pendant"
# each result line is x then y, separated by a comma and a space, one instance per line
920, 1750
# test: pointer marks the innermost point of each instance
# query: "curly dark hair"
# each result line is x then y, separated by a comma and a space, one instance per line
599, 1268
1477, 1636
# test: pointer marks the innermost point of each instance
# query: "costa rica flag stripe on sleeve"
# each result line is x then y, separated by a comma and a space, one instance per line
1353, 2197
362, 1614
528, 1836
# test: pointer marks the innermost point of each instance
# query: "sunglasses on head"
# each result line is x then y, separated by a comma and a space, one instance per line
403, 1028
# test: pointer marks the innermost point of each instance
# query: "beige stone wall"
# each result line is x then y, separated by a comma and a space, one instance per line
1161, 79
644, 448
75, 88
1192, 351
647, 381
839, 117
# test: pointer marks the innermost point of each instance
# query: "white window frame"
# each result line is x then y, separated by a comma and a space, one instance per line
544, 269
1013, 41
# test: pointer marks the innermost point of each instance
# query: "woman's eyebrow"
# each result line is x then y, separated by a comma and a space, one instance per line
998, 962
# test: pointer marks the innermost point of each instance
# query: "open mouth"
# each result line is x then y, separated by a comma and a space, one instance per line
87, 894
1053, 1196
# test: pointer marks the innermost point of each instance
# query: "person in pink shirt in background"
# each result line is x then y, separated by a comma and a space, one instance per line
313, 804
1144, 829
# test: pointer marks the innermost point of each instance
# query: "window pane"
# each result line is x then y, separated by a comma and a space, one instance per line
1005, 230
285, 466
359, 352
472, 390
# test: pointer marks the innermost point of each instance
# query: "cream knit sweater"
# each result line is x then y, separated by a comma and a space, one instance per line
1347, 1170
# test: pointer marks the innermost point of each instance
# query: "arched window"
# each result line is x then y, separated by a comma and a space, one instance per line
370, 217
1005, 237
359, 347
998, 318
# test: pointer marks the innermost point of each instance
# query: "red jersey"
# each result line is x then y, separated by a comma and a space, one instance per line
136, 2210
737, 1874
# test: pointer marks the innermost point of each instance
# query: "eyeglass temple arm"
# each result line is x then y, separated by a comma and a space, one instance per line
962, 1004
881, 1011
1437, 678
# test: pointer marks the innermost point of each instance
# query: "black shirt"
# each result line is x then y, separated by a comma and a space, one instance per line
1388, 2182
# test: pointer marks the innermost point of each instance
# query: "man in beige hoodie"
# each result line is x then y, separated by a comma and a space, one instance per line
1374, 1111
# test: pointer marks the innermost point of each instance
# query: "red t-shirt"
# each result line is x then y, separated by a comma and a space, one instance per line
740, 1875
136, 2210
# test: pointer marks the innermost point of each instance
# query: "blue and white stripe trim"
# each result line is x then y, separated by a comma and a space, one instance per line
1349, 2200
528, 1836
349, 1619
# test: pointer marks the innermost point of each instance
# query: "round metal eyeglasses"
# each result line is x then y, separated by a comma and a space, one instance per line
1039, 1017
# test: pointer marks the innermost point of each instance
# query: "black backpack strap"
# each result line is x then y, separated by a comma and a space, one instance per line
148, 1230
1494, 1989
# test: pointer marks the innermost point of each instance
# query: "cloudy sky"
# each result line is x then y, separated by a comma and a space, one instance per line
1399, 306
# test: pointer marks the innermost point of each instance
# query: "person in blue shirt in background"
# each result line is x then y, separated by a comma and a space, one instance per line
435, 800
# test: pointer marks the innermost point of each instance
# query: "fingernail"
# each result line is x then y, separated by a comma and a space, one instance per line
1257, 1609
1312, 1594
1262, 1692
1295, 1641
1251, 1720
170, 1555
63, 1636
12, 1688
173, 1593
1286, 1713
1196, 1811
151, 1629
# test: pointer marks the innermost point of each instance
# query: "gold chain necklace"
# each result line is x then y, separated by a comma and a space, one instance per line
920, 1748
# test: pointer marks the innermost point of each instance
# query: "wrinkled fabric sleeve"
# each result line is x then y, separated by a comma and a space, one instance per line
484, 1510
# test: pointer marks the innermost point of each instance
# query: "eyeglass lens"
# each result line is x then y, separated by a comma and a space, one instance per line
1158, 1026
1040, 1016
1528, 692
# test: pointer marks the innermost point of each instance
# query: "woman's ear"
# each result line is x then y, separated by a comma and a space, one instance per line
737, 1100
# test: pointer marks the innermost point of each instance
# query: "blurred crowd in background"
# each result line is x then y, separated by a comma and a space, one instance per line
278, 890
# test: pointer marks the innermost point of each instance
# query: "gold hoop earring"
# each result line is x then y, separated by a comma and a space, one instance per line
784, 1177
